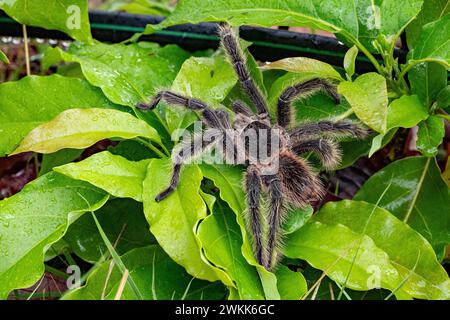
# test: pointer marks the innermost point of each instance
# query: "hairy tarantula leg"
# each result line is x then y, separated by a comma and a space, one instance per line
240, 107
175, 180
185, 153
302, 89
173, 98
338, 129
326, 150
276, 218
219, 119
300, 184
236, 57
253, 187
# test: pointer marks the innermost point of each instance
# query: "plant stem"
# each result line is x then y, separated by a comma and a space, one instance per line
27, 51
56, 272
28, 68
153, 148
370, 57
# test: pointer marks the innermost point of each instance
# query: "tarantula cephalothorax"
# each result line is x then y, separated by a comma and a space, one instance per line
294, 183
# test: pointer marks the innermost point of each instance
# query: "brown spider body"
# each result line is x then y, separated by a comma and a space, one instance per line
279, 175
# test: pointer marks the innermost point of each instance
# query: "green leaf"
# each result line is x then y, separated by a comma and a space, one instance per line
369, 99
65, 130
71, 17
350, 60
414, 259
296, 219
114, 174
127, 74
432, 10
430, 135
416, 194
292, 285
433, 43
59, 158
156, 276
214, 78
338, 250
305, 65
406, 112
427, 80
352, 19
173, 220
443, 98
32, 220
221, 240
3, 57
34, 100
380, 141
132, 150
149, 7
122, 220
229, 181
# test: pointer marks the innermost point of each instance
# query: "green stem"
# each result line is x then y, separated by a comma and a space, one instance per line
372, 59
56, 272
69, 258
153, 148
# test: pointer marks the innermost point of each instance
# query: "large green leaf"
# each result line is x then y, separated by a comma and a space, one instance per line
338, 250
35, 218
304, 65
124, 224
59, 158
114, 174
149, 7
221, 240
292, 285
156, 276
214, 78
432, 10
81, 128
369, 99
408, 251
34, 100
173, 220
430, 135
434, 43
406, 112
443, 98
229, 181
352, 19
127, 74
413, 190
70, 17
427, 80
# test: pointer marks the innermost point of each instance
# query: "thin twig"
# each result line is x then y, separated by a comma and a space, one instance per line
122, 284
27, 51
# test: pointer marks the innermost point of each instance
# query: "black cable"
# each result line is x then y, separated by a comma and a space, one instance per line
268, 44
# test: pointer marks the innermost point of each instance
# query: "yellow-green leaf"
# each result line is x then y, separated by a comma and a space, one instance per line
81, 128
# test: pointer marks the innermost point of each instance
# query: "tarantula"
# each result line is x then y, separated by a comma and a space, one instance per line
294, 184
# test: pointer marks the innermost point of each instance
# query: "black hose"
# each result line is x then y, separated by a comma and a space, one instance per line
268, 44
